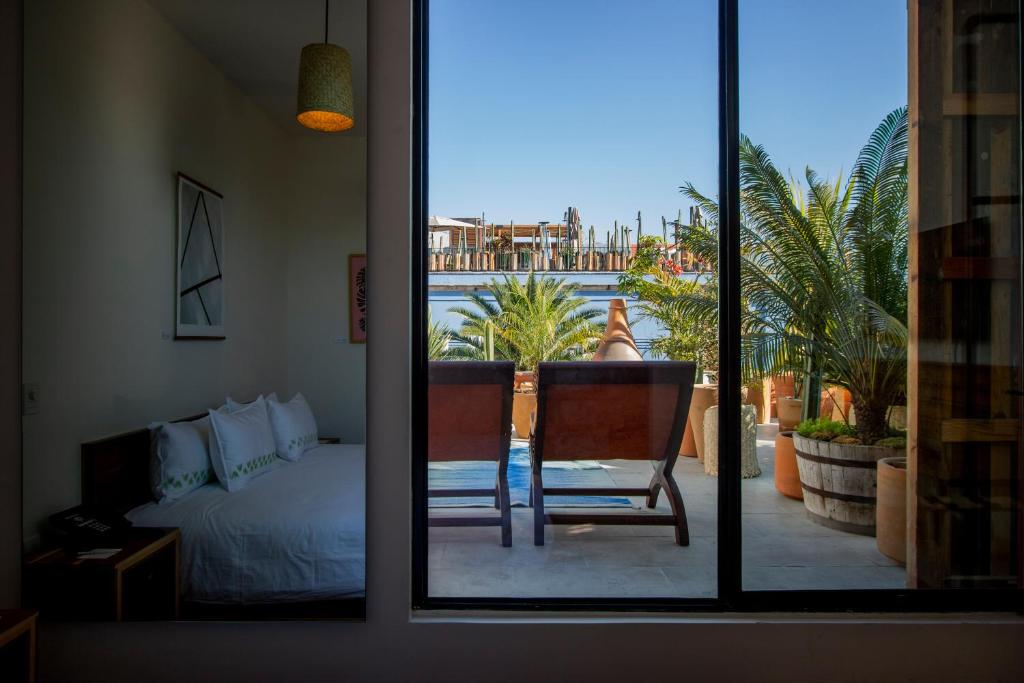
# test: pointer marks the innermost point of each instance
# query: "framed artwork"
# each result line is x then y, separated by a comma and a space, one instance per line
199, 306
357, 298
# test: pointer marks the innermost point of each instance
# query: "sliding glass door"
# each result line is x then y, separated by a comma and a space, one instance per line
720, 305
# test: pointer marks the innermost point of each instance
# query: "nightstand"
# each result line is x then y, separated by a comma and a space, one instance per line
329, 439
18, 645
142, 582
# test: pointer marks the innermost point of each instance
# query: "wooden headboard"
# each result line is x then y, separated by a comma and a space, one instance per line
115, 470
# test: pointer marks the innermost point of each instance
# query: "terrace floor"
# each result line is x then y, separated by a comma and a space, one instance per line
782, 549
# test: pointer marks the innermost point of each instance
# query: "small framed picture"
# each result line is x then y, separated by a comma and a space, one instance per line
357, 298
199, 305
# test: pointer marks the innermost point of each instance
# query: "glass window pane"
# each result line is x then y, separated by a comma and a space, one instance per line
560, 134
881, 285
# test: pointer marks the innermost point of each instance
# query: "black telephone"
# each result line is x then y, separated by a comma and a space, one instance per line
87, 525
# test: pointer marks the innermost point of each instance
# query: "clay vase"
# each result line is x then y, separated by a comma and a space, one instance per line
789, 413
704, 396
787, 475
783, 385
689, 446
523, 406
754, 395
524, 377
891, 509
618, 342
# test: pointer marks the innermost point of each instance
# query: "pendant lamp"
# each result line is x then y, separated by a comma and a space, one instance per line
325, 86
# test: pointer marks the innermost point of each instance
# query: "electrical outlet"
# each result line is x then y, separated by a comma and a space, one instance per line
30, 398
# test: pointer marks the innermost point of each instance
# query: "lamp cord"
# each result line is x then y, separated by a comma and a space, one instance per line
327, 9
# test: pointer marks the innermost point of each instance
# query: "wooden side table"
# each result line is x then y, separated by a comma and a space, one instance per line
142, 582
18, 645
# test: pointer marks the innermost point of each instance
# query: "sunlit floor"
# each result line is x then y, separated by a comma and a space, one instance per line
782, 549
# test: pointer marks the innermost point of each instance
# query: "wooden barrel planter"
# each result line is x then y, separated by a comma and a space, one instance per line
840, 482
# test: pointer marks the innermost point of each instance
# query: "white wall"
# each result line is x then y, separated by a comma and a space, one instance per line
116, 102
327, 222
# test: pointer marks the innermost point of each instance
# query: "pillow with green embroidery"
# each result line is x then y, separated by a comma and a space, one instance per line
294, 427
179, 460
242, 445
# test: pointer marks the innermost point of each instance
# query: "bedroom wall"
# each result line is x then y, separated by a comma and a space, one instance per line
327, 219
116, 102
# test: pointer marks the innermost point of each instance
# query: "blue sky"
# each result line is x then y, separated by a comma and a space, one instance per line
610, 106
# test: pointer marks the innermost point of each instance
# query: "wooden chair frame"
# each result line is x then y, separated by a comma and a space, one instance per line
500, 373
603, 373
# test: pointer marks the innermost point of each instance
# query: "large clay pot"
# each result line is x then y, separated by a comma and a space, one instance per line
787, 475
524, 377
523, 406
618, 342
783, 385
704, 396
891, 515
840, 482
753, 395
789, 413
689, 446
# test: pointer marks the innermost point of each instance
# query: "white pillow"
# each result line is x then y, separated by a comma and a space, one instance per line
179, 460
241, 444
294, 427
234, 406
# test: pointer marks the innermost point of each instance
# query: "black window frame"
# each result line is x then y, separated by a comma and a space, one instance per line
731, 595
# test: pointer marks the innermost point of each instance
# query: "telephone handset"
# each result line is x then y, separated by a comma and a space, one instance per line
88, 524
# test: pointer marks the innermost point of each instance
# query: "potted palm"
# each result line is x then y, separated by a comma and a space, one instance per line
541, 319
824, 282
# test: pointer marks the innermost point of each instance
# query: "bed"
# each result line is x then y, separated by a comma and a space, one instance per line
295, 535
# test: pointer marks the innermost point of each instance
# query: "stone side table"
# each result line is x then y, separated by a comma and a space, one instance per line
748, 442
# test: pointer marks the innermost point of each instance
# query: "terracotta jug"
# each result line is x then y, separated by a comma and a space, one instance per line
618, 342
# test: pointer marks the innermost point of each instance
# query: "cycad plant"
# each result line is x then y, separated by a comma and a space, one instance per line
541, 319
823, 273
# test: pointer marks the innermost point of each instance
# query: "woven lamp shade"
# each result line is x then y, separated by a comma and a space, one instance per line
325, 88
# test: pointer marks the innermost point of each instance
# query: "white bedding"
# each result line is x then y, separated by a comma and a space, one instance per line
294, 533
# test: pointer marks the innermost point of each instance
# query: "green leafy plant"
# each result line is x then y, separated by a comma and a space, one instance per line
541, 319
439, 337
653, 280
823, 274
823, 429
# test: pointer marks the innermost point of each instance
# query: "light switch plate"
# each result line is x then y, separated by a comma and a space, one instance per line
30, 398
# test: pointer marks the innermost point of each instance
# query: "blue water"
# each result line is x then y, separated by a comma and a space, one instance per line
563, 474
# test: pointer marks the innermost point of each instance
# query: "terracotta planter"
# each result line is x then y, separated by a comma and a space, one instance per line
523, 406
891, 515
754, 396
789, 413
524, 377
787, 475
704, 396
783, 385
689, 446
839, 482
618, 342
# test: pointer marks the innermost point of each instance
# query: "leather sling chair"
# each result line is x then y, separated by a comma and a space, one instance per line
470, 418
630, 410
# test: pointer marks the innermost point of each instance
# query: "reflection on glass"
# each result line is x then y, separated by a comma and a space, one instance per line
882, 309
